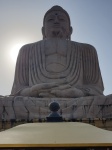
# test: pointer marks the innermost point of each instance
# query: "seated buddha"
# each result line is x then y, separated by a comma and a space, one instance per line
57, 66
57, 69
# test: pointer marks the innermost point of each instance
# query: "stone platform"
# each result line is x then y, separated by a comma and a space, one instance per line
96, 110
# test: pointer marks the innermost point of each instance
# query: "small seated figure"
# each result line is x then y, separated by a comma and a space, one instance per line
57, 66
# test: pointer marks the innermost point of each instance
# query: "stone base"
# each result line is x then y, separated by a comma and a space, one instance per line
28, 109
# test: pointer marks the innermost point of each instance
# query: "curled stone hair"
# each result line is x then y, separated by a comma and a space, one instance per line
57, 8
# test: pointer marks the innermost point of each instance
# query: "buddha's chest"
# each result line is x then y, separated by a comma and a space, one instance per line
55, 55
54, 61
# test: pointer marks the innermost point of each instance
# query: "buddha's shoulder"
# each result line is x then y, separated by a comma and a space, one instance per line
79, 45
30, 46
83, 45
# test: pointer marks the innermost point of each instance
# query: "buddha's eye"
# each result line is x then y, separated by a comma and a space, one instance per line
51, 19
61, 18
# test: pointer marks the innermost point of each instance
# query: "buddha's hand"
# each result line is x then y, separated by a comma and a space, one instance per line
38, 89
68, 93
48, 92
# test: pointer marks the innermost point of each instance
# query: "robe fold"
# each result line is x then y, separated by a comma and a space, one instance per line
58, 60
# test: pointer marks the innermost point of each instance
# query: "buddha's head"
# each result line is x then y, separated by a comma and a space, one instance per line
56, 23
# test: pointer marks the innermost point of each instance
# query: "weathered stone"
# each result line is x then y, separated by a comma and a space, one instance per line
1, 108
29, 108
8, 111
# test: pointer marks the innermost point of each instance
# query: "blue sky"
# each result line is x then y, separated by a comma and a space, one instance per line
21, 22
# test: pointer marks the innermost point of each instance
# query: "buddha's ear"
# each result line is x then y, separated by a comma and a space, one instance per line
43, 32
71, 30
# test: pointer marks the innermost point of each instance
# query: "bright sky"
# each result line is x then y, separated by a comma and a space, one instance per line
21, 22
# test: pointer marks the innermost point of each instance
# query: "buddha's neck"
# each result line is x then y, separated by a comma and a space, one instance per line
55, 38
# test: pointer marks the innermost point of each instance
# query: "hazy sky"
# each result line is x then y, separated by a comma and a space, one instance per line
21, 22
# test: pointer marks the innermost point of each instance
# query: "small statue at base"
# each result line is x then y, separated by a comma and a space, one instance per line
54, 116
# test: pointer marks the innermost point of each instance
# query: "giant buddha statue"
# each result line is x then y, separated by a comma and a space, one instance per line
57, 69
57, 66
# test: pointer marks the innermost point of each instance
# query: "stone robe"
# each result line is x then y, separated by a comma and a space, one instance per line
57, 60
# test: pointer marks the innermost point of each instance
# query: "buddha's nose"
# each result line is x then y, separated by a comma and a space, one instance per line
56, 21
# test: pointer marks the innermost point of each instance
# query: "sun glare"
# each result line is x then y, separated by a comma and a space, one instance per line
14, 51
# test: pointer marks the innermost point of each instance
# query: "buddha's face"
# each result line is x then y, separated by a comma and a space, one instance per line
57, 25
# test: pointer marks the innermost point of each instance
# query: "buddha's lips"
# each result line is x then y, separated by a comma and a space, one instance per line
56, 26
